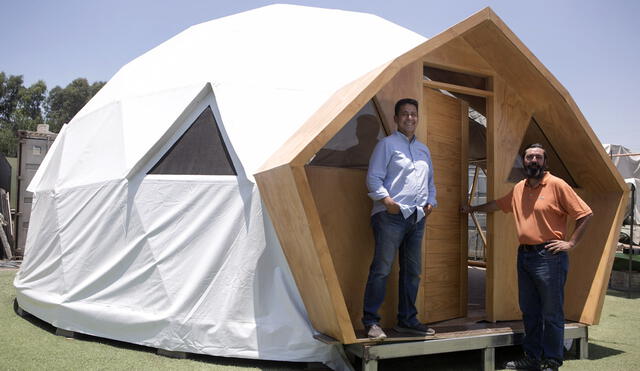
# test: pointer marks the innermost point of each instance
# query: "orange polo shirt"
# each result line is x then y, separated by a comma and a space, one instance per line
541, 212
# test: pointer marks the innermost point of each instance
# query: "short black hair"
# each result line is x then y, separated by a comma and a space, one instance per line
404, 101
534, 145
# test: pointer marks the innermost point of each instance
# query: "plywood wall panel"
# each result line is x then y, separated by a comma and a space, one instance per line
306, 251
344, 207
442, 274
457, 55
406, 84
590, 262
545, 96
441, 231
507, 124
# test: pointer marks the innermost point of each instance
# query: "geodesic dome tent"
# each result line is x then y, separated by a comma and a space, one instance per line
147, 224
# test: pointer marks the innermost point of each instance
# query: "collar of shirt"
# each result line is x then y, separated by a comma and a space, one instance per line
413, 139
543, 181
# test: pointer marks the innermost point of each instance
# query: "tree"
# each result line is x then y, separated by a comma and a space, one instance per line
10, 89
63, 104
20, 109
24, 108
30, 110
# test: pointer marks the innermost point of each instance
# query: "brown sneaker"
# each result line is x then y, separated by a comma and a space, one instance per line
374, 332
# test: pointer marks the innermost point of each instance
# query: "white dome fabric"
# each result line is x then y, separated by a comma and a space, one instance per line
191, 262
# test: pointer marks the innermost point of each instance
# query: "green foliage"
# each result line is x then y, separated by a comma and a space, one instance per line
10, 90
63, 104
9, 95
24, 108
8, 141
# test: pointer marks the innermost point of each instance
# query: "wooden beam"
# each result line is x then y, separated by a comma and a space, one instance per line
464, 227
625, 154
457, 88
287, 197
477, 263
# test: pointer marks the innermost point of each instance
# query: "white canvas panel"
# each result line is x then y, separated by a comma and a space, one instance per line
187, 263
260, 128
41, 268
145, 119
279, 46
629, 168
94, 148
210, 259
91, 228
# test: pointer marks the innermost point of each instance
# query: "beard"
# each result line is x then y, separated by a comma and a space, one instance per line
533, 171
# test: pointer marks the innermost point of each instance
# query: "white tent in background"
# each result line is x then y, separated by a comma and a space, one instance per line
127, 242
629, 167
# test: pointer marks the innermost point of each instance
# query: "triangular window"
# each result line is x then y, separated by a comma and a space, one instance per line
555, 165
352, 146
199, 151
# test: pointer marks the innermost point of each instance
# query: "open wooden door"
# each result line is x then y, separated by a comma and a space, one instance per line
445, 243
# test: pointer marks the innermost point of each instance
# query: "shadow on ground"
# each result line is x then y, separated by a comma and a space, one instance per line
624, 294
598, 352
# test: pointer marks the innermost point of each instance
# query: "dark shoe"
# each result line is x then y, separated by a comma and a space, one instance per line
417, 329
550, 365
374, 332
524, 363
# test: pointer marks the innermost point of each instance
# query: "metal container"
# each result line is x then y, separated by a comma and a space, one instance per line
32, 147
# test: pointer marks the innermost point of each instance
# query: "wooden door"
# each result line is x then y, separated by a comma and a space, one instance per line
445, 243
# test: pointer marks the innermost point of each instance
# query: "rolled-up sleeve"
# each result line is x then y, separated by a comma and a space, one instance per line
377, 172
505, 202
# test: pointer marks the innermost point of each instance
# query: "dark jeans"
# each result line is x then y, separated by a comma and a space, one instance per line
541, 279
393, 233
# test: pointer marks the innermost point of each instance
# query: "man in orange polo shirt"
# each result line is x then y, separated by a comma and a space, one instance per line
541, 204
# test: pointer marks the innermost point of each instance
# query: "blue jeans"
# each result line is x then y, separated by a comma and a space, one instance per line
393, 233
541, 279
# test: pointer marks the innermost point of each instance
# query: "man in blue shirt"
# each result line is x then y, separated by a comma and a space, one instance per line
400, 182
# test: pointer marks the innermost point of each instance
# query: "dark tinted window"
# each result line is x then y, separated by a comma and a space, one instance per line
199, 151
351, 147
534, 134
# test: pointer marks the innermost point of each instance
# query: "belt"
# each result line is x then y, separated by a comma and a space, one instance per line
530, 248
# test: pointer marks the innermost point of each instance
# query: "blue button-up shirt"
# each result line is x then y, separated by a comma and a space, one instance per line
402, 170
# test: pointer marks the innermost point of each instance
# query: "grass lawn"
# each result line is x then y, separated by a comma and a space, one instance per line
30, 344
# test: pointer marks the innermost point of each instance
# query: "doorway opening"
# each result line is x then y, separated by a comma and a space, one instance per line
474, 90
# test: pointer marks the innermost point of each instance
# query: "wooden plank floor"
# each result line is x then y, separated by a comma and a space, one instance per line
457, 328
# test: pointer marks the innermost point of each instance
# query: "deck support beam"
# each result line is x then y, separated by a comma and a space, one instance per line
371, 353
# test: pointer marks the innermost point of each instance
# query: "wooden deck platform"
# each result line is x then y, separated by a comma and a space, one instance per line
452, 336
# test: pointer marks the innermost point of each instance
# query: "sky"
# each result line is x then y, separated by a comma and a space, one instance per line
590, 46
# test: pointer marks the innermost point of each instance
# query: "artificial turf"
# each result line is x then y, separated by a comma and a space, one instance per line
30, 344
